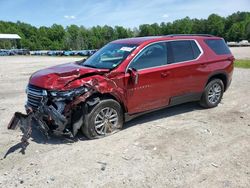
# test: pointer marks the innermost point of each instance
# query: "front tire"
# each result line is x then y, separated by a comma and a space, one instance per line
212, 94
103, 119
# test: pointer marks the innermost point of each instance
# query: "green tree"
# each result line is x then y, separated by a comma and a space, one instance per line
182, 26
146, 30
235, 27
215, 25
199, 26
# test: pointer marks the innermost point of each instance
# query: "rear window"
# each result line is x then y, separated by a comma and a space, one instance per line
218, 46
183, 50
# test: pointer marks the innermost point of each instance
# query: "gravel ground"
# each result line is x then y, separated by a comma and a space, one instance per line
182, 146
241, 52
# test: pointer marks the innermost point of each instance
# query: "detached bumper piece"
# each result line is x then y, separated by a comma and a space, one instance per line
24, 121
60, 116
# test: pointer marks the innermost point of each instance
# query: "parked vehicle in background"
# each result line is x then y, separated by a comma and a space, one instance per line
9, 52
242, 43
39, 52
12, 52
126, 78
3, 52
69, 53
83, 53
63, 53
51, 53
21, 51
55, 53
91, 52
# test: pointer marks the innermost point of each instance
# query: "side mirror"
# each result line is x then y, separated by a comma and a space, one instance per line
133, 75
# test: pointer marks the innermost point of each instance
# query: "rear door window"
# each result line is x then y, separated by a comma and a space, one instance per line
219, 46
183, 50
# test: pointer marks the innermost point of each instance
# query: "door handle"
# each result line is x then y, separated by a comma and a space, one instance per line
165, 74
203, 65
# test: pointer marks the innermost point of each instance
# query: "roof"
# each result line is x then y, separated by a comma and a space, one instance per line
9, 36
140, 40
137, 40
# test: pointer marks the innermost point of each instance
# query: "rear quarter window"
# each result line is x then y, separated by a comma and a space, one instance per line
219, 46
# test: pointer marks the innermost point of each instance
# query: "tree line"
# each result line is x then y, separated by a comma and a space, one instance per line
235, 27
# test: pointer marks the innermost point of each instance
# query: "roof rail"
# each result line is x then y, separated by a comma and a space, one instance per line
202, 35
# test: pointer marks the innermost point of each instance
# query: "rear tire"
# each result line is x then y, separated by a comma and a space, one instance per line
212, 94
103, 119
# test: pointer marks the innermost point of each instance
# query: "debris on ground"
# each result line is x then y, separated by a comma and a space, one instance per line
215, 165
103, 165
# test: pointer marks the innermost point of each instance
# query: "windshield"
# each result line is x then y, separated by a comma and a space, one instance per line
110, 56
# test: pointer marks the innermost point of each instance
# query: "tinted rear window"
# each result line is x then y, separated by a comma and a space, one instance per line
218, 46
183, 50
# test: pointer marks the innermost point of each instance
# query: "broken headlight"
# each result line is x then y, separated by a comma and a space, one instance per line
68, 94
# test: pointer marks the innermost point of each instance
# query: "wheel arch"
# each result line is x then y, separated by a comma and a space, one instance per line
219, 75
102, 96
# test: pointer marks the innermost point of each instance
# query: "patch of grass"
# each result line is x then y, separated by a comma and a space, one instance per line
242, 63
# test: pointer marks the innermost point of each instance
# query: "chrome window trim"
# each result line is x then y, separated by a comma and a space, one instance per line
201, 53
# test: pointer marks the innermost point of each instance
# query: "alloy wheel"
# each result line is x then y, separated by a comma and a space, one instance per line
106, 121
214, 93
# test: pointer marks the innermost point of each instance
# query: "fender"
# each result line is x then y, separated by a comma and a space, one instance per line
99, 84
220, 74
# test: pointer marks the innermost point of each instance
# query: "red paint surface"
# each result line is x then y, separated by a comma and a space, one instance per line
153, 90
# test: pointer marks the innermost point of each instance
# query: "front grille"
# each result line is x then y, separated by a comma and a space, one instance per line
35, 96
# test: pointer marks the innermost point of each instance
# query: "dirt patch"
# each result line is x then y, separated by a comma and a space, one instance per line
182, 146
241, 52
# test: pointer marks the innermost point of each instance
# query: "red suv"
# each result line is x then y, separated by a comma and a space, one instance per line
128, 77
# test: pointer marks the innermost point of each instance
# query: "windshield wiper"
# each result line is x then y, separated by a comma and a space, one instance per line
91, 66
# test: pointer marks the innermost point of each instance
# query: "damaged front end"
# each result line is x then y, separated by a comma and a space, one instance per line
55, 112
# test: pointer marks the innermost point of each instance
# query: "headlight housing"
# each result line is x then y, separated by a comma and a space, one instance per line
68, 94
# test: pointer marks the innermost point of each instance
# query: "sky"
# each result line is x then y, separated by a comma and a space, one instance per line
127, 13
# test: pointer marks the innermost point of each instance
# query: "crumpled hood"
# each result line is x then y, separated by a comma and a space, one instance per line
57, 77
